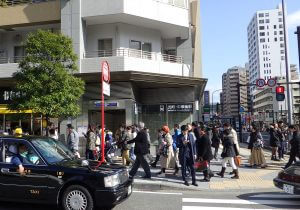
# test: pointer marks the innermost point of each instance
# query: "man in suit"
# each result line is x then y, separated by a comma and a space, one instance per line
141, 151
187, 154
204, 152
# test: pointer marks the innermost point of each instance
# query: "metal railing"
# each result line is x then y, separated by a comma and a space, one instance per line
15, 59
126, 52
18, 2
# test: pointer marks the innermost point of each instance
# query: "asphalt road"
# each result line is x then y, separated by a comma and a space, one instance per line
191, 200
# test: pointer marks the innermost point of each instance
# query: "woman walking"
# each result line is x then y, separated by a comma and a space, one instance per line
274, 141
216, 139
257, 157
295, 145
167, 159
91, 142
228, 154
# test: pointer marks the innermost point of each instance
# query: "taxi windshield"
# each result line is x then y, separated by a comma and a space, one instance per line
52, 150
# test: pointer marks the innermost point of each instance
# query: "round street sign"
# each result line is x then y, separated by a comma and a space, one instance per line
272, 82
105, 71
260, 82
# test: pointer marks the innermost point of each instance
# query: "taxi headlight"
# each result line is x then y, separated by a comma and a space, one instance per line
111, 181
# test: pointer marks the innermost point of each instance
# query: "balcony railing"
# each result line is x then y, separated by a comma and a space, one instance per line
17, 2
15, 59
126, 52
176, 3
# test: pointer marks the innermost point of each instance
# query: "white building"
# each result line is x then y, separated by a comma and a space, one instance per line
152, 47
266, 45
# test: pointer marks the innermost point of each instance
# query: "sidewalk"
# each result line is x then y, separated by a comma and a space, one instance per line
250, 178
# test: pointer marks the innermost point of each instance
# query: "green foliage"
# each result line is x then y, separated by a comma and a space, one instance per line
45, 82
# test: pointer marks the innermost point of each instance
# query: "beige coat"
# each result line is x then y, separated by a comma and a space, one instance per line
168, 162
233, 136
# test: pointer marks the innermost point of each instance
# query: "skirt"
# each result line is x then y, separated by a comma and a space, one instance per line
257, 157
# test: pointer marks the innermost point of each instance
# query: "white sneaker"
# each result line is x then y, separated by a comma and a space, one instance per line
163, 175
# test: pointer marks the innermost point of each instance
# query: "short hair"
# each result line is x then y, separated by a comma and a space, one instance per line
226, 124
70, 126
202, 128
166, 129
195, 124
184, 128
141, 125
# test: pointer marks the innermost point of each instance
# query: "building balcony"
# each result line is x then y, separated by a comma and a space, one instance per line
8, 66
124, 59
170, 17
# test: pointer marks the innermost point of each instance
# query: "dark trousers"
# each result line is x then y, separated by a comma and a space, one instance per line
140, 161
291, 160
281, 150
89, 154
188, 163
216, 152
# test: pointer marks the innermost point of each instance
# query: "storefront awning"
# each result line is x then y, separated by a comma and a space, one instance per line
4, 110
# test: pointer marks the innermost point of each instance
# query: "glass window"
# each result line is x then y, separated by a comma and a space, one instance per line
267, 14
281, 32
137, 45
19, 53
280, 19
275, 26
261, 27
53, 151
262, 33
275, 32
262, 40
104, 47
261, 21
281, 38
280, 26
267, 20
280, 13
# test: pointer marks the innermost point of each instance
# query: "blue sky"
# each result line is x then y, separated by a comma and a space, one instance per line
224, 34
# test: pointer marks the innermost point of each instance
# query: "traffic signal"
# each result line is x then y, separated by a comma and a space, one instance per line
280, 93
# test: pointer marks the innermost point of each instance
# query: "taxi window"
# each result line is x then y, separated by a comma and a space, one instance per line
22, 150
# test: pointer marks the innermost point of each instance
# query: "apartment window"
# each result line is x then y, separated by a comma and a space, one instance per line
267, 14
280, 26
282, 51
281, 38
280, 32
261, 15
262, 40
280, 19
275, 32
261, 27
262, 33
104, 47
281, 45
280, 13
136, 45
267, 20
261, 21
275, 26
282, 58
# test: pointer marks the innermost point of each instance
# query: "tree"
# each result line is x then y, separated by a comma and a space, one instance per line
45, 82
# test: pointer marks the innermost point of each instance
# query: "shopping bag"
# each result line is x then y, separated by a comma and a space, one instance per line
201, 165
238, 160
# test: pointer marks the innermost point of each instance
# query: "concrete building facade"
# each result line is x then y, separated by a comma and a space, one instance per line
152, 46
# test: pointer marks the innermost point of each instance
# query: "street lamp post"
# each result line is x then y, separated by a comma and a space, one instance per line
212, 100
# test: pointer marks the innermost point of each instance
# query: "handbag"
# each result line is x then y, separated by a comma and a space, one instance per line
238, 160
165, 151
201, 165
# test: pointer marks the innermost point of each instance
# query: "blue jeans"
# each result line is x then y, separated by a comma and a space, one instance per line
90, 154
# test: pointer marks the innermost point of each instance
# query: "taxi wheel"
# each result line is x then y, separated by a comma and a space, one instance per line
77, 197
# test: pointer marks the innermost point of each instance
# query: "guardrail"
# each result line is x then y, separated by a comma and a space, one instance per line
126, 52
18, 2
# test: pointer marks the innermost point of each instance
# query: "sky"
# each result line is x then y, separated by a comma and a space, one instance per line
224, 35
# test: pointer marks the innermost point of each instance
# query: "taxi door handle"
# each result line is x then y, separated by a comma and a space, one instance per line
5, 170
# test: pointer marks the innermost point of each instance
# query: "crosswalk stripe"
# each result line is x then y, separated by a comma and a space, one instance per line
215, 208
241, 202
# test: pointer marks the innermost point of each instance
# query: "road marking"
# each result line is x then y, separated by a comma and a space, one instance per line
241, 202
275, 196
215, 208
160, 193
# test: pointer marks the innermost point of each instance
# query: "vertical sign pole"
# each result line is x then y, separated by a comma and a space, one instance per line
102, 120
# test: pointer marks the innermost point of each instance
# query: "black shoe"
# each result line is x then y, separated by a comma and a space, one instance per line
146, 177
205, 180
186, 183
153, 165
195, 184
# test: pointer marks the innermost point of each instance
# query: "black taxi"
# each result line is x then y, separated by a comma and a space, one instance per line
52, 175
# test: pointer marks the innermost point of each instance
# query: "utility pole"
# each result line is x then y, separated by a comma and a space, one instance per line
239, 114
289, 98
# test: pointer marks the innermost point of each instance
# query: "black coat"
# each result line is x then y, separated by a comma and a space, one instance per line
216, 139
196, 132
295, 144
274, 139
141, 143
253, 138
184, 149
228, 148
204, 148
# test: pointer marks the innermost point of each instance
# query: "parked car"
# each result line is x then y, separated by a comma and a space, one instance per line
289, 179
54, 176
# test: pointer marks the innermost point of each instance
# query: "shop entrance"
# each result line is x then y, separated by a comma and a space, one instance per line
113, 118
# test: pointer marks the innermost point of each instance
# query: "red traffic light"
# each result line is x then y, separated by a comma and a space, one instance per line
280, 89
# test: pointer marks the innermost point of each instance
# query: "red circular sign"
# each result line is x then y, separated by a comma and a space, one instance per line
105, 71
272, 82
260, 83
